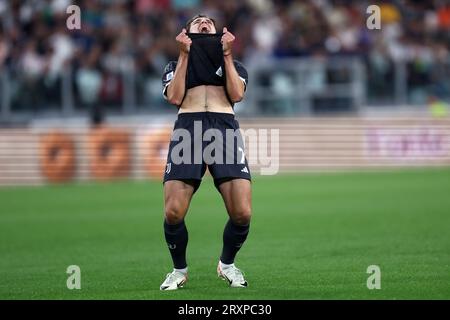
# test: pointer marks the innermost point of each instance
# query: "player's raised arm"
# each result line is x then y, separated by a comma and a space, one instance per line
177, 86
234, 84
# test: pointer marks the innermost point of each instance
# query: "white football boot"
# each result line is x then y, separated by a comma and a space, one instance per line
233, 275
174, 280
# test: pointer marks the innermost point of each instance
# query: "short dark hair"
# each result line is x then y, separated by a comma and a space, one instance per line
188, 23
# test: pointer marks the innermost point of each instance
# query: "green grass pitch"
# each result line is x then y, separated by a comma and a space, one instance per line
312, 237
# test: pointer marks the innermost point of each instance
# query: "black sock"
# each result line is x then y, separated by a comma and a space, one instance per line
233, 237
177, 239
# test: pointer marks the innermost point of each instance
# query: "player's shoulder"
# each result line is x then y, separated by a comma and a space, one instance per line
238, 63
170, 66
240, 68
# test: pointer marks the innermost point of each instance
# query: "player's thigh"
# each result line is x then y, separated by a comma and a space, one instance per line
237, 196
177, 197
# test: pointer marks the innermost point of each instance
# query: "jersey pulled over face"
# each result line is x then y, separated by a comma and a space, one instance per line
205, 61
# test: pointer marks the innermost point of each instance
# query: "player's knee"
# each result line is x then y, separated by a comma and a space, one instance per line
242, 216
173, 214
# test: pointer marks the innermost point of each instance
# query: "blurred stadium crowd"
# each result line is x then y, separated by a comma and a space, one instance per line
119, 36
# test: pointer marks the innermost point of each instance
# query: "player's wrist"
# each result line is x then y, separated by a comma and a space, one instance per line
184, 54
226, 51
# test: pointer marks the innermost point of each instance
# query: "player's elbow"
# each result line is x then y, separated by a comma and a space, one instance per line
237, 97
174, 100
174, 96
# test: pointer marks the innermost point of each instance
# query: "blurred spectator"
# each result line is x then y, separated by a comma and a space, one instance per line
4, 49
443, 14
88, 79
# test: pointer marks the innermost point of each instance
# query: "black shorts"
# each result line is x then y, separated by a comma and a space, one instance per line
203, 140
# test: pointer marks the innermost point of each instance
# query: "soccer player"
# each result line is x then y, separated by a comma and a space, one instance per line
204, 84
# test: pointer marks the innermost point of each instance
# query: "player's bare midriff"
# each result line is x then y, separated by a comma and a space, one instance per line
206, 99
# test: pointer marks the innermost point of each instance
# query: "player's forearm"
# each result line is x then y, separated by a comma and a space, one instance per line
235, 86
177, 87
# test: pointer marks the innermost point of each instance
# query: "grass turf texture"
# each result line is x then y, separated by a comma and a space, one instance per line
312, 237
